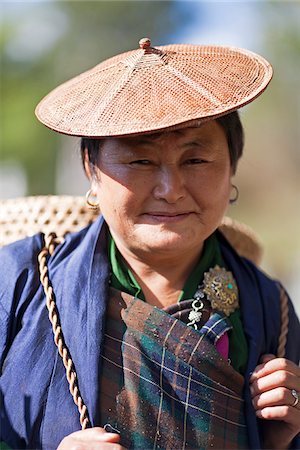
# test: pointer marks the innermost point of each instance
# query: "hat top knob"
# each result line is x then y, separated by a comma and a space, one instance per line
145, 43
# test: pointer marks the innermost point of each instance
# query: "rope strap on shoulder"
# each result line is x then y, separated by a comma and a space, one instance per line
284, 309
51, 242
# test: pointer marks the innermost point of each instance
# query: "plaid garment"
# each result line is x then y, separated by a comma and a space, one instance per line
164, 385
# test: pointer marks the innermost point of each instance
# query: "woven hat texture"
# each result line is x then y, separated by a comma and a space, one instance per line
62, 214
150, 89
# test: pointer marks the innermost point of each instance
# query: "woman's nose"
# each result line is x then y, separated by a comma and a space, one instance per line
170, 184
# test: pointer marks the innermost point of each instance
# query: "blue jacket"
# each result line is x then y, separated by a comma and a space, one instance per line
37, 410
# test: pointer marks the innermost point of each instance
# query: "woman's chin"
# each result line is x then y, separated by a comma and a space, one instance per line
169, 241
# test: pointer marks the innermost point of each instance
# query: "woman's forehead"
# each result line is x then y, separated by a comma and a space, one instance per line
206, 130
209, 137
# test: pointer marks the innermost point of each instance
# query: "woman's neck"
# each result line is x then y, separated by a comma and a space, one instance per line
161, 278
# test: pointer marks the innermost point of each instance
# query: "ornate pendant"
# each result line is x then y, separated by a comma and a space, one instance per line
221, 290
196, 314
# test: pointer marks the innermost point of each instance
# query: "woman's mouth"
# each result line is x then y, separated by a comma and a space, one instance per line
166, 217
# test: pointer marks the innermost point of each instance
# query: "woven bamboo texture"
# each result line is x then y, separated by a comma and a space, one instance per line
27, 216
154, 88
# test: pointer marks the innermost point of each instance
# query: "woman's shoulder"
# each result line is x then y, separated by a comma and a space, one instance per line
20, 254
265, 304
264, 279
260, 290
19, 265
19, 277
244, 265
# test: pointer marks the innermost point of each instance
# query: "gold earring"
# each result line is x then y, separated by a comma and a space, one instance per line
235, 198
91, 200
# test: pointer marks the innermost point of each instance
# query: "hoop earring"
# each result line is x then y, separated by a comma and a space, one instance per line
235, 198
91, 200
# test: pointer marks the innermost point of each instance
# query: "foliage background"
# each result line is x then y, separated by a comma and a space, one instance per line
44, 43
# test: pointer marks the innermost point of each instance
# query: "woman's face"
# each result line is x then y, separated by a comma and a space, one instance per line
164, 193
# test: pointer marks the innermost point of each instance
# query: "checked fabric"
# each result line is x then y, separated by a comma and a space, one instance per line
164, 385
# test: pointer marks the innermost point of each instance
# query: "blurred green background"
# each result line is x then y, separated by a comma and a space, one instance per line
44, 43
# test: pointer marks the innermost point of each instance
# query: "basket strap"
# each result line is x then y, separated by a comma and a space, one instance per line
284, 311
51, 242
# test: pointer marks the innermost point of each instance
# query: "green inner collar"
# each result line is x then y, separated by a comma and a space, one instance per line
123, 279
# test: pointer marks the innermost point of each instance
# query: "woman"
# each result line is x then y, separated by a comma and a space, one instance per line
168, 338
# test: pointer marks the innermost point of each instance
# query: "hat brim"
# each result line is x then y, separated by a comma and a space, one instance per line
144, 91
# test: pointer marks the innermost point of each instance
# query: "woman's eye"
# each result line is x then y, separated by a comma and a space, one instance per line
142, 162
193, 161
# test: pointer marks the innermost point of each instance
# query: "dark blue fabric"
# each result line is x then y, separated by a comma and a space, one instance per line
260, 313
37, 410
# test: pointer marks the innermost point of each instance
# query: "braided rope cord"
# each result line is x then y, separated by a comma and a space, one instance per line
284, 308
51, 241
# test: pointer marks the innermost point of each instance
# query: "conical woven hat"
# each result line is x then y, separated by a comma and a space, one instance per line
150, 89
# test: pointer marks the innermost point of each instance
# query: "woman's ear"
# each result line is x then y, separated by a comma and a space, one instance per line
86, 163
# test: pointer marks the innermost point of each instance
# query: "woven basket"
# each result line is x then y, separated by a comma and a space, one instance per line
27, 216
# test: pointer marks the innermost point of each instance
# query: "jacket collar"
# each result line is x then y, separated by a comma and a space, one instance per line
79, 273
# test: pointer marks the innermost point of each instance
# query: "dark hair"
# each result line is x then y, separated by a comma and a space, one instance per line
230, 123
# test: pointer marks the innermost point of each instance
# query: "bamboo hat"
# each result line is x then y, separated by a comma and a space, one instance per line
155, 88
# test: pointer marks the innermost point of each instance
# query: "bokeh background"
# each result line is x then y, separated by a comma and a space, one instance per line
44, 43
